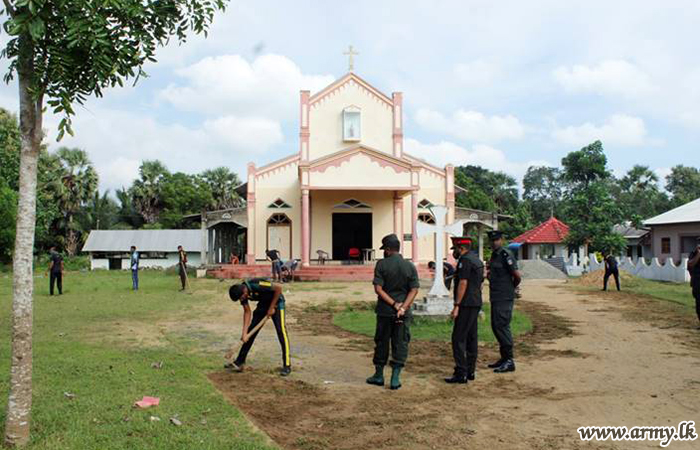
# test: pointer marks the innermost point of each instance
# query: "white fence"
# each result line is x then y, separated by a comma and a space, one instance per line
653, 271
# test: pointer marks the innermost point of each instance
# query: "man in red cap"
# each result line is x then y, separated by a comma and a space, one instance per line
467, 304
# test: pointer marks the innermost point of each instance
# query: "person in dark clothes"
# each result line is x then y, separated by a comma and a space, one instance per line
134, 264
55, 271
271, 304
274, 257
448, 272
694, 269
504, 277
611, 269
396, 285
467, 304
182, 266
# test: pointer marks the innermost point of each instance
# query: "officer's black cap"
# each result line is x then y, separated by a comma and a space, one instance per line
459, 241
495, 235
390, 241
236, 292
698, 239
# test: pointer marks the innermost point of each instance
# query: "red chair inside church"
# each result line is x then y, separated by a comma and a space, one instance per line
354, 253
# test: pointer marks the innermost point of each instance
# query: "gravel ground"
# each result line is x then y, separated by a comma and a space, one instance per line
540, 270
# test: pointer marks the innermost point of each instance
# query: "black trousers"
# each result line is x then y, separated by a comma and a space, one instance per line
56, 278
394, 336
280, 326
696, 295
501, 315
616, 274
183, 276
465, 339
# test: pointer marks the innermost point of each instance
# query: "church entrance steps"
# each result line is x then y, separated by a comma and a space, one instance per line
311, 273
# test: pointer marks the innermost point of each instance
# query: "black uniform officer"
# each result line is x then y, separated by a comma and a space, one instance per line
271, 304
611, 270
467, 304
396, 284
503, 277
448, 272
694, 269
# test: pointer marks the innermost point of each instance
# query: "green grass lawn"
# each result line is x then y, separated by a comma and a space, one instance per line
76, 352
362, 321
679, 293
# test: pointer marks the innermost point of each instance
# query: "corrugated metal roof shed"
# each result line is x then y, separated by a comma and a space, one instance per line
690, 212
144, 240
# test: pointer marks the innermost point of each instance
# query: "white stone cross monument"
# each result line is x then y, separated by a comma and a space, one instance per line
438, 301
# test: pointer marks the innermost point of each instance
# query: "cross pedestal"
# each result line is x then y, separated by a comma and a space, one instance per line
438, 302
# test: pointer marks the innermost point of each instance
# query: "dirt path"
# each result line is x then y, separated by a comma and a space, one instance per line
585, 363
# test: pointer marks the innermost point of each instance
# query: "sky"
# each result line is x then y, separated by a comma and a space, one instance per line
504, 84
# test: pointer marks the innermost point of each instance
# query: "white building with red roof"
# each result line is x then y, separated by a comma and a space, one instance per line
546, 240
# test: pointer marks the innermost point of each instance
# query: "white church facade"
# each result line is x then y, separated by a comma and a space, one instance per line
350, 183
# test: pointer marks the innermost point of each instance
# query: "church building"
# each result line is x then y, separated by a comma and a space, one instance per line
350, 183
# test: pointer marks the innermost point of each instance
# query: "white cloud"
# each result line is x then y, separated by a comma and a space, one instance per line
610, 77
471, 125
446, 152
619, 129
476, 73
117, 141
230, 85
247, 134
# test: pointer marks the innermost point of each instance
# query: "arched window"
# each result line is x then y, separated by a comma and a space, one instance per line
352, 204
279, 219
427, 218
279, 204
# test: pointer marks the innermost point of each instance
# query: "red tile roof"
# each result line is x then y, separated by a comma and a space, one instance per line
553, 231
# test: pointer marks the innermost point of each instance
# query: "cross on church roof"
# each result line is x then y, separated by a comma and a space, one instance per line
351, 61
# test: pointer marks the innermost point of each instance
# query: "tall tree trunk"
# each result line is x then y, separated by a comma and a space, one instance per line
19, 404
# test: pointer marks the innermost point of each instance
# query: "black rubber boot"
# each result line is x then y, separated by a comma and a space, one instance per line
395, 380
378, 378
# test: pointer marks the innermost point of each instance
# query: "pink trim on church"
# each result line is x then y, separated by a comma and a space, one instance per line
414, 224
348, 78
305, 229
304, 132
338, 159
397, 99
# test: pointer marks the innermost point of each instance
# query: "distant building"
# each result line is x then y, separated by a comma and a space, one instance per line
638, 241
674, 233
545, 241
110, 249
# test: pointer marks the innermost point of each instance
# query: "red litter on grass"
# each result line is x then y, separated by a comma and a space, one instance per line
147, 402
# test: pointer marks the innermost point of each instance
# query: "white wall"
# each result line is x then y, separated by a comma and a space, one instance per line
193, 260
654, 271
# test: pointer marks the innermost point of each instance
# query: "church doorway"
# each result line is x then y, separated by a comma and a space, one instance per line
279, 235
351, 230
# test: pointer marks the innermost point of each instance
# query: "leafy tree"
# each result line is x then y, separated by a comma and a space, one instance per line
486, 190
63, 52
183, 194
9, 149
543, 189
99, 213
127, 216
146, 190
587, 165
591, 209
639, 195
222, 184
8, 215
684, 184
522, 220
74, 185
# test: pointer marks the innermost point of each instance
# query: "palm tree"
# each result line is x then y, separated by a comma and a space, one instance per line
223, 183
146, 191
73, 187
